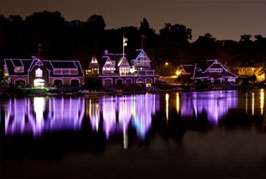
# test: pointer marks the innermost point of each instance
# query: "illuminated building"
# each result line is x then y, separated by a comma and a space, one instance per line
40, 73
116, 70
248, 71
213, 72
93, 70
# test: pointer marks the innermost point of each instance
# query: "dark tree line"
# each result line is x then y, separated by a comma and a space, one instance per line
57, 38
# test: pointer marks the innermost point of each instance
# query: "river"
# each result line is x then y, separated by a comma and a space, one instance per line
215, 134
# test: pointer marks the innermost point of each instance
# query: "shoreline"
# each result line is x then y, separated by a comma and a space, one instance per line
99, 93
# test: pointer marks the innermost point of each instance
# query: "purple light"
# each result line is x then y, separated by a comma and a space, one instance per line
215, 103
109, 114
138, 108
23, 116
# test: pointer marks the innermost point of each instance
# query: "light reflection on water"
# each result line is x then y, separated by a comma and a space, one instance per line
215, 103
118, 113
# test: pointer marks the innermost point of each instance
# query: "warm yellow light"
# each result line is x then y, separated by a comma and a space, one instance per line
166, 64
253, 104
177, 103
178, 72
167, 105
262, 98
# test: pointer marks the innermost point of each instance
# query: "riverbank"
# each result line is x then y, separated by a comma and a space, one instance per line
157, 88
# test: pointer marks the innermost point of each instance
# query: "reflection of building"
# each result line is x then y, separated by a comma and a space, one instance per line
214, 103
40, 115
116, 70
213, 72
38, 73
119, 112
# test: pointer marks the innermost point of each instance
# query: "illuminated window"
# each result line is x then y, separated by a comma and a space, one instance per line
38, 72
19, 69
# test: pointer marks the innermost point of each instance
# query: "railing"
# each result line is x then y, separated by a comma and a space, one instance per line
136, 73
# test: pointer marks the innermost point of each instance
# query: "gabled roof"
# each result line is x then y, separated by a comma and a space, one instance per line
214, 64
63, 64
197, 72
123, 62
50, 65
142, 55
94, 63
109, 62
188, 68
11, 63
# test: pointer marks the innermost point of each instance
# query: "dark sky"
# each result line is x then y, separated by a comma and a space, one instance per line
224, 19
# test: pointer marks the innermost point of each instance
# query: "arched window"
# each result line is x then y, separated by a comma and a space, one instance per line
38, 72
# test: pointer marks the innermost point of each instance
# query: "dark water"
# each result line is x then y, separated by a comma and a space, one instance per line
217, 134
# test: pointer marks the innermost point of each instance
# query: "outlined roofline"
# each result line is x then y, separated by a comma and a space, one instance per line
215, 61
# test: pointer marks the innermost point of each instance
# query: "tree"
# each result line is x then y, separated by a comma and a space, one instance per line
96, 22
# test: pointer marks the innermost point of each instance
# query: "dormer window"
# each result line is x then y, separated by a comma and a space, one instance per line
19, 69
38, 73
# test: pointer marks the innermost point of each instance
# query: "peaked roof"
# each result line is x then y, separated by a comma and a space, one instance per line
123, 62
50, 65
11, 63
188, 68
196, 71
109, 62
214, 64
94, 62
142, 55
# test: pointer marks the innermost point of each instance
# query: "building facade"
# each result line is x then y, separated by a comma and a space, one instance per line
116, 70
43, 73
94, 69
248, 71
213, 72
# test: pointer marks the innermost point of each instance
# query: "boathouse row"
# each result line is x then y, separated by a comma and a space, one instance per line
114, 69
40, 73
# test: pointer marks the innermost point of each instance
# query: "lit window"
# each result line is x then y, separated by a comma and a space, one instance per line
19, 69
38, 72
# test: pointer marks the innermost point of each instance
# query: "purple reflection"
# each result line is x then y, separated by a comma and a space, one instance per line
24, 116
215, 103
109, 114
144, 107
94, 114
135, 109
125, 113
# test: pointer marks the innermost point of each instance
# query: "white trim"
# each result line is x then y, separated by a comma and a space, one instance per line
195, 67
215, 62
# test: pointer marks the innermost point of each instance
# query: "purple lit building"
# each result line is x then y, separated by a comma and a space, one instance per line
115, 69
39, 73
212, 71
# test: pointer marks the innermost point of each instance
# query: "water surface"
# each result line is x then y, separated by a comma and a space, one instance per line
216, 134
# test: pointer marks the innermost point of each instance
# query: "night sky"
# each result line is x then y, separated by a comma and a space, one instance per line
224, 19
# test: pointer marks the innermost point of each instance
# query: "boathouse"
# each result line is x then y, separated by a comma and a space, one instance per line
212, 71
117, 71
41, 73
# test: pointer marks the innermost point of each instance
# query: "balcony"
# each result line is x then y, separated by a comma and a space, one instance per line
144, 72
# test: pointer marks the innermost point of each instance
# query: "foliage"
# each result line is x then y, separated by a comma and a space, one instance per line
62, 39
